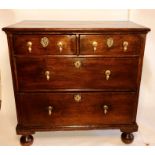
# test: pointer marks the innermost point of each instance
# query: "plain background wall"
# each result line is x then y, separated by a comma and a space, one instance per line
144, 17
146, 109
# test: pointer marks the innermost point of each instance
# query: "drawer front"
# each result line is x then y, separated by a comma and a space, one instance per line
109, 44
76, 73
44, 44
66, 109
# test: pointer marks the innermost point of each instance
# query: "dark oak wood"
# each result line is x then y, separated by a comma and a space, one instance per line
68, 44
86, 42
67, 112
63, 73
127, 138
26, 140
49, 104
106, 26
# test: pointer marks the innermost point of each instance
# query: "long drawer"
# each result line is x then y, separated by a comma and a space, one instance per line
67, 109
44, 73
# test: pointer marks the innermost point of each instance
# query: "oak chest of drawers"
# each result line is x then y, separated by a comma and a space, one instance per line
76, 75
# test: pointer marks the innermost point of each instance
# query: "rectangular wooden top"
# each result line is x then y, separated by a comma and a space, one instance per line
76, 26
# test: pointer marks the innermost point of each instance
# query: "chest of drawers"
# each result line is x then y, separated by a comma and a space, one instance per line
76, 75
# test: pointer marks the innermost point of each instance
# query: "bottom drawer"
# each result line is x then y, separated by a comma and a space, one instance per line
68, 109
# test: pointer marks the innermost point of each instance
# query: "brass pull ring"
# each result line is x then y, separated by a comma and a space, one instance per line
50, 108
60, 45
125, 45
94, 44
47, 74
29, 44
105, 108
107, 74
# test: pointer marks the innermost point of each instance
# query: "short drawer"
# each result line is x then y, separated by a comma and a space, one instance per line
44, 44
110, 44
77, 73
67, 109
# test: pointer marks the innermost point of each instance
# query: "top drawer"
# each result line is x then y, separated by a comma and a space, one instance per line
114, 44
44, 44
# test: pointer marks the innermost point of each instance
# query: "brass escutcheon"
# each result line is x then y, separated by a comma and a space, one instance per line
77, 64
110, 42
77, 97
44, 42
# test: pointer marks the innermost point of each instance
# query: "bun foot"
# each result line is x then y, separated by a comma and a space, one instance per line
127, 138
26, 140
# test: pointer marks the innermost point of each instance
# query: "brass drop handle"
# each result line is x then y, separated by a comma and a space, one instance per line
125, 46
77, 98
107, 74
50, 108
47, 74
29, 44
105, 108
94, 44
60, 45
77, 64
